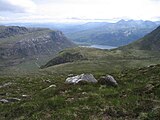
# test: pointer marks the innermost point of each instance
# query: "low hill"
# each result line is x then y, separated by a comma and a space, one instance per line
97, 60
65, 57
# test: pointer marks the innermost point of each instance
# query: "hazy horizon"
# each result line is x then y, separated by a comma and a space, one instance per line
38, 11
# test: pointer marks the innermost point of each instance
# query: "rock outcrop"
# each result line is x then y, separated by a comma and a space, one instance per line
89, 78
12, 31
108, 80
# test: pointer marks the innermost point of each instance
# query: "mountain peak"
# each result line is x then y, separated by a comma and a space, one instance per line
121, 21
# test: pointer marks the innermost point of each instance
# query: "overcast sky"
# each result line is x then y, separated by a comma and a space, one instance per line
78, 10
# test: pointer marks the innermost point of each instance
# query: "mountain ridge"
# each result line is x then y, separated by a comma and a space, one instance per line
113, 34
31, 41
29, 46
151, 41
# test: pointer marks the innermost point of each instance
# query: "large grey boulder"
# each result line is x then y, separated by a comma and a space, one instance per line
89, 78
108, 80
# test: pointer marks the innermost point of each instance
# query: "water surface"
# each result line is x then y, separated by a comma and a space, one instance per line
101, 46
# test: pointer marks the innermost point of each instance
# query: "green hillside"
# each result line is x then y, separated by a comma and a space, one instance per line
150, 42
136, 97
103, 60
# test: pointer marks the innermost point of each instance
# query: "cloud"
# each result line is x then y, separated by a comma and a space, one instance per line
3, 18
17, 6
52, 10
106, 9
156, 0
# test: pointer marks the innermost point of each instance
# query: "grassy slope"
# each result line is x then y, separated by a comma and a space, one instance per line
95, 61
137, 97
106, 60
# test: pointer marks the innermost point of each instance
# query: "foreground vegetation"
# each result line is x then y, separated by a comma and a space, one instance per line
136, 97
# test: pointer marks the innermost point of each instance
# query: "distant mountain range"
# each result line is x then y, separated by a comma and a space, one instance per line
102, 33
113, 34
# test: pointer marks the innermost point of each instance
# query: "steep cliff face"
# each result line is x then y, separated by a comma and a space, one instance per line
24, 42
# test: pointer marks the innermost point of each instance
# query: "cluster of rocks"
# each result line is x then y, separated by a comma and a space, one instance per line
5, 99
89, 78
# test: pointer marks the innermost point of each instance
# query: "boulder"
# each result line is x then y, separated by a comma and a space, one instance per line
84, 78
4, 101
9, 100
50, 87
13, 99
108, 80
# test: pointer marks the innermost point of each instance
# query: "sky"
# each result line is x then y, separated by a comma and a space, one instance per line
78, 10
